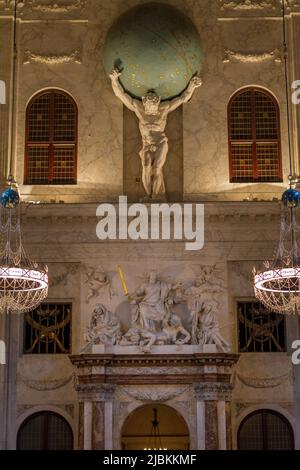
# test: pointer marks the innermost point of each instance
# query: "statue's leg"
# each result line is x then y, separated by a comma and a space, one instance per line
146, 171
157, 170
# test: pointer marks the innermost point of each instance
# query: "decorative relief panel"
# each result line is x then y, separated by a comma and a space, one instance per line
264, 382
157, 395
56, 7
47, 384
255, 57
248, 5
33, 58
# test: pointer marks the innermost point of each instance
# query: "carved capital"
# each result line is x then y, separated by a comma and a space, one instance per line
213, 391
95, 392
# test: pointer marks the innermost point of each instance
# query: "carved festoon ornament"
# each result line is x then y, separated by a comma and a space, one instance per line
34, 58
248, 5
56, 7
252, 57
264, 382
155, 394
46, 384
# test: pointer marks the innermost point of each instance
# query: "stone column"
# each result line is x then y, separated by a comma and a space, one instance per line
213, 420
87, 424
95, 416
200, 424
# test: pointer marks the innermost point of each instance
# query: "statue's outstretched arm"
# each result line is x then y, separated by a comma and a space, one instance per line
194, 83
119, 90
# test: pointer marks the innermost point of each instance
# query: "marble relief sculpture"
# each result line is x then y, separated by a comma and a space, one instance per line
96, 282
206, 330
140, 337
154, 321
152, 115
104, 327
152, 300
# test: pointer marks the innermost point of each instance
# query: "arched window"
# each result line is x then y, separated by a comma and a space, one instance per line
45, 431
265, 430
254, 137
51, 139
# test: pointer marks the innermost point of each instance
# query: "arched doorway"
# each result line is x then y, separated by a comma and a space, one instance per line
155, 426
45, 431
265, 430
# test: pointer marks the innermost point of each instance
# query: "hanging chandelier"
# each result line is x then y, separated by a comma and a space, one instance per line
23, 282
278, 286
155, 442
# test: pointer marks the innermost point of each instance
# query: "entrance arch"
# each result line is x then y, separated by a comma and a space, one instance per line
140, 430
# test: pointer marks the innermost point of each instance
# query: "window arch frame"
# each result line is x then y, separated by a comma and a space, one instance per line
264, 412
46, 414
254, 140
51, 142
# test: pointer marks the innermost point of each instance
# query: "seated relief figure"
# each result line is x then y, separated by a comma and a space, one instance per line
104, 327
152, 300
206, 328
174, 332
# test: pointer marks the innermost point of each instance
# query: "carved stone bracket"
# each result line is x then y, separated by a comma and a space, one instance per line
33, 58
213, 391
255, 57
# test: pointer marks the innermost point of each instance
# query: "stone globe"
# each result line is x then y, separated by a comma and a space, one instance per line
156, 47
9, 198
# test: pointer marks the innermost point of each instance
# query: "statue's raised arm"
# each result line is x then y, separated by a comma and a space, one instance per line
119, 90
152, 116
194, 83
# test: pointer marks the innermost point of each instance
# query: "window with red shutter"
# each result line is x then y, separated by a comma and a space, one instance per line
254, 137
51, 139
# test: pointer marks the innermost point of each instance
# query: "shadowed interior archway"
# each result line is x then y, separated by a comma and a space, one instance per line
45, 430
265, 429
138, 431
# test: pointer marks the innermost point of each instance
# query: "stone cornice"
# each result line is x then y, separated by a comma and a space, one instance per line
218, 212
94, 370
142, 360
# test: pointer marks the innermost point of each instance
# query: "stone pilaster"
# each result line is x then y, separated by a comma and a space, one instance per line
95, 416
213, 399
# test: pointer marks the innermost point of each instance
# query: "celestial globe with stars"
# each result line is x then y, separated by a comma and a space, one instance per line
156, 47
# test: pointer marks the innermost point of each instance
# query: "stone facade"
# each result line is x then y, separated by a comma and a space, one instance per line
59, 46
